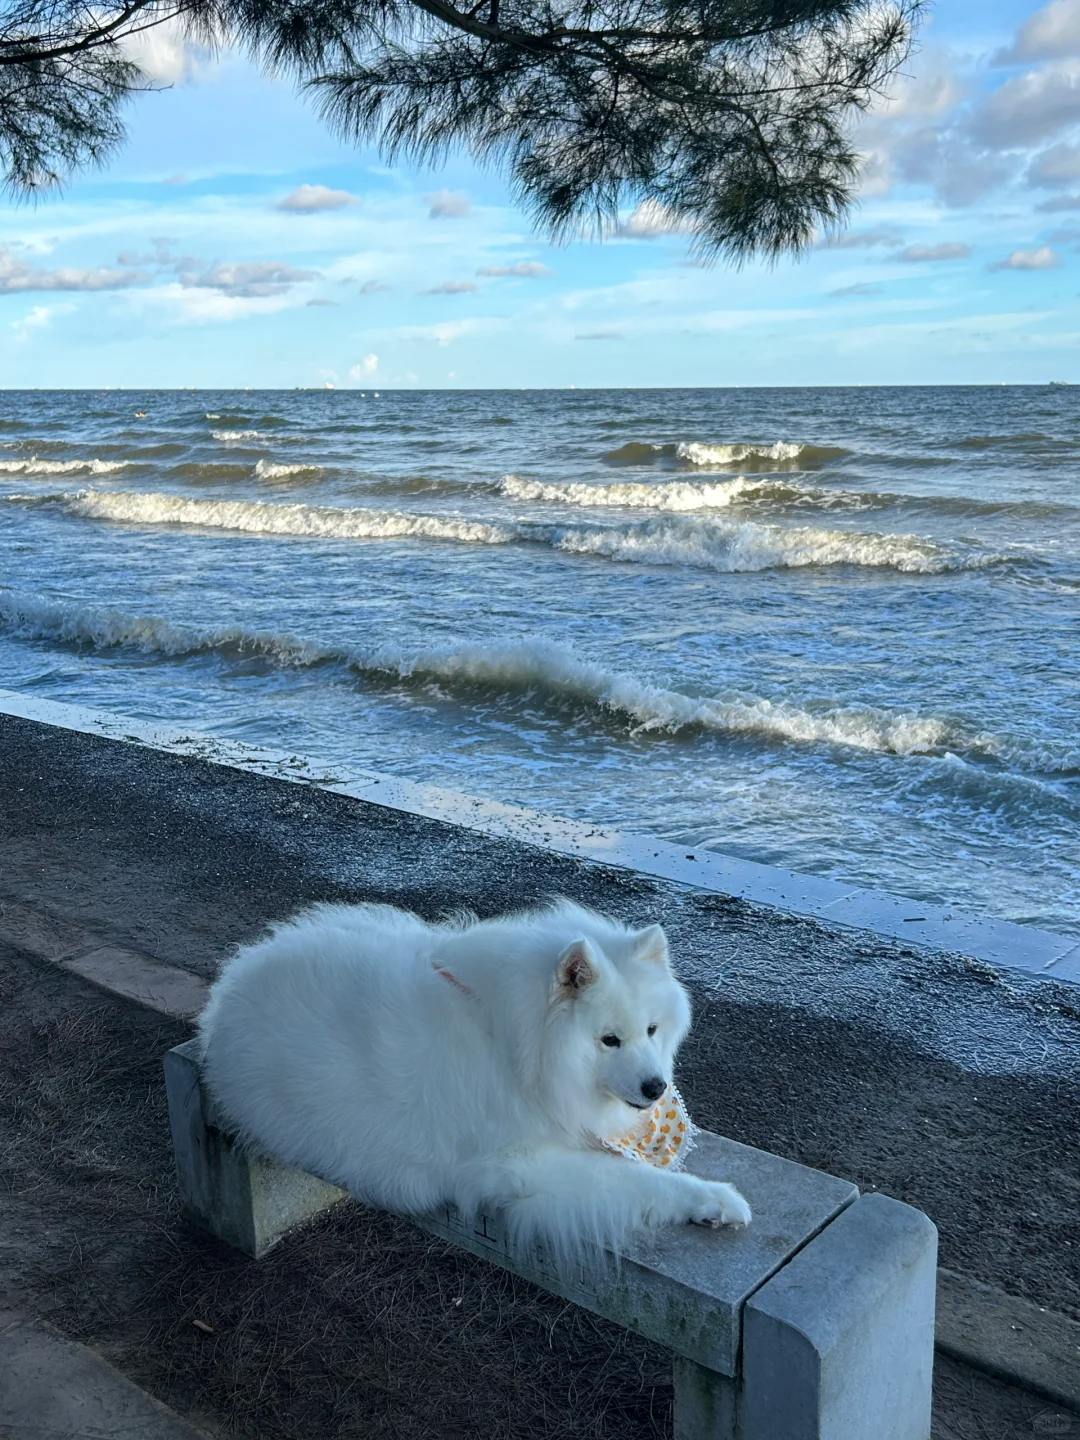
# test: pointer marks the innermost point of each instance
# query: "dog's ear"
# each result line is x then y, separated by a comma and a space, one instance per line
576, 968
651, 944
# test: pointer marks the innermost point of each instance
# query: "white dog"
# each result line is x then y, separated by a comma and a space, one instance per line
495, 1064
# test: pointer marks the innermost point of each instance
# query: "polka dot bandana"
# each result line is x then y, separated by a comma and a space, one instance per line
663, 1135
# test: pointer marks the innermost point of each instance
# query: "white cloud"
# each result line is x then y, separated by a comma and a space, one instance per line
963, 126
167, 55
310, 199
1055, 168
601, 335
39, 318
16, 277
198, 306
448, 205
374, 287
861, 288
1049, 34
862, 239
1044, 258
947, 250
366, 369
529, 269
36, 319
162, 254
1029, 108
247, 279
651, 219
452, 287
447, 331
930, 94
1059, 203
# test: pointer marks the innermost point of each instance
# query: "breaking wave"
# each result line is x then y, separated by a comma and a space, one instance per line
35, 466
705, 543
267, 470
239, 436
748, 546
692, 455
674, 495
260, 518
684, 496
534, 668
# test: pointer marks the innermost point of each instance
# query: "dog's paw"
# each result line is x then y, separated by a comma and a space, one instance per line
719, 1204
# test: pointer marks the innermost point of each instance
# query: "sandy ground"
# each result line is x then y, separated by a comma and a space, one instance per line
931, 1078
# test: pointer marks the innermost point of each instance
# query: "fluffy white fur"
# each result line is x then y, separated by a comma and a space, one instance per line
336, 1045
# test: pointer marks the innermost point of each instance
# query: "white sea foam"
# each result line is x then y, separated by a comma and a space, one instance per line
535, 667
675, 495
260, 518
35, 466
703, 543
267, 470
228, 436
746, 546
696, 455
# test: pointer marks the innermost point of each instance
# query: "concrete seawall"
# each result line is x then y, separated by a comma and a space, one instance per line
999, 943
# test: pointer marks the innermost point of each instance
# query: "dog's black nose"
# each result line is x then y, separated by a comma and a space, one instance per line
654, 1088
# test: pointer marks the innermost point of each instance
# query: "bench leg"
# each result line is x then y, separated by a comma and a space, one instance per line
839, 1344
248, 1202
704, 1403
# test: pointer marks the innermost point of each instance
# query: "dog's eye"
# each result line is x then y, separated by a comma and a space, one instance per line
652, 1029
612, 1040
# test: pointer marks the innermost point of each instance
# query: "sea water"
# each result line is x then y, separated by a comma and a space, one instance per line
836, 630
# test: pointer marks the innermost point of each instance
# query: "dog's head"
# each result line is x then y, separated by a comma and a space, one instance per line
616, 996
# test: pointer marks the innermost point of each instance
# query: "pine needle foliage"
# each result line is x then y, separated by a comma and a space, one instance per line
730, 119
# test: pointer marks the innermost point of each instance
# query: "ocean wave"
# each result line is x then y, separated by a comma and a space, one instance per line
693, 455
164, 450
428, 485
674, 495
34, 466
267, 470
533, 668
686, 496
748, 546
229, 437
267, 421
705, 543
219, 472
259, 518
989, 442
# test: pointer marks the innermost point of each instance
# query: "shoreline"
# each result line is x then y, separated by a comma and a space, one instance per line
1042, 953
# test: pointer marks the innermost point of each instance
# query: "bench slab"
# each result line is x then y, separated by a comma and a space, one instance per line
684, 1285
816, 1322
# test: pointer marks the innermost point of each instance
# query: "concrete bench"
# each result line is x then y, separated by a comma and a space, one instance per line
814, 1323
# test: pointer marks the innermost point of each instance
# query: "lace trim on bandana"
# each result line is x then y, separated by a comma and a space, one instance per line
663, 1137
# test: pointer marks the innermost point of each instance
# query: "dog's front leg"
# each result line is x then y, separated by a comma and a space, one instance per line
570, 1196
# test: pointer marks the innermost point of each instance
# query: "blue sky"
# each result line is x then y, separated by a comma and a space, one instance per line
235, 242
